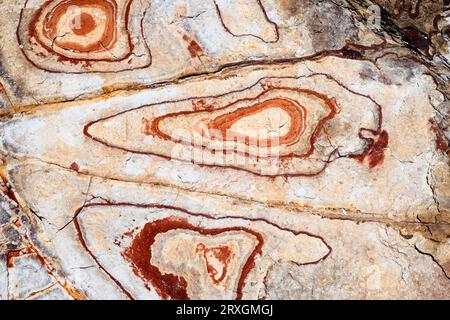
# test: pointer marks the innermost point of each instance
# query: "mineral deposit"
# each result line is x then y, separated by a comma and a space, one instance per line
225, 149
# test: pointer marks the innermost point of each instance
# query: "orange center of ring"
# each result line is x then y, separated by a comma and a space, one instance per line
223, 123
83, 24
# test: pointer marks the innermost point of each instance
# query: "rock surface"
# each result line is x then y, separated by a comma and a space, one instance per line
219, 149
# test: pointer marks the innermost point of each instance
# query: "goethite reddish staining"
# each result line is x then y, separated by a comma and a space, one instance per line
296, 112
82, 23
195, 50
216, 256
78, 32
218, 128
375, 150
223, 123
171, 286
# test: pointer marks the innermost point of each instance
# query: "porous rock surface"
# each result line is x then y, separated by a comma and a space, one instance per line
260, 149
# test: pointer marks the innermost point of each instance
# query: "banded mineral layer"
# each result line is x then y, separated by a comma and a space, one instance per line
260, 149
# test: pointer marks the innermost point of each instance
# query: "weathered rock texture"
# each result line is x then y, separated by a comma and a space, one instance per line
260, 149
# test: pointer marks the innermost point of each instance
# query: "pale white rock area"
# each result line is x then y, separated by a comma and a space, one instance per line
218, 149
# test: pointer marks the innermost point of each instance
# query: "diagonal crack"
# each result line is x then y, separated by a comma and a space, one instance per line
434, 259
433, 189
